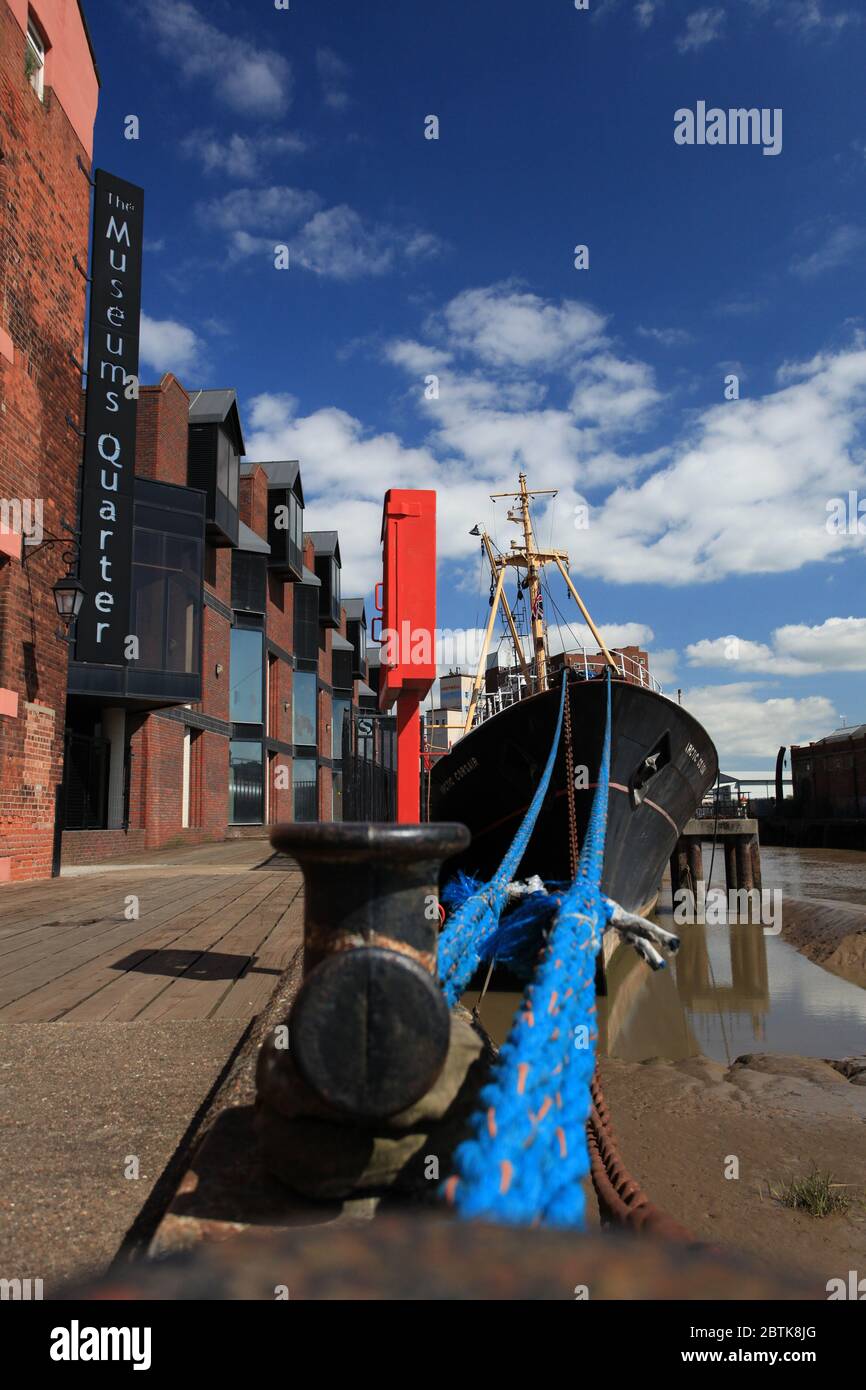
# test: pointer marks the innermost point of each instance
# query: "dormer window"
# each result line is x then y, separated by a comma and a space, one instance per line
34, 58
327, 555
216, 446
285, 519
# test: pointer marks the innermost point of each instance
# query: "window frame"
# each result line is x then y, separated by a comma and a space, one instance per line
37, 48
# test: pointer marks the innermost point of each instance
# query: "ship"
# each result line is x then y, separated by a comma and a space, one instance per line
663, 762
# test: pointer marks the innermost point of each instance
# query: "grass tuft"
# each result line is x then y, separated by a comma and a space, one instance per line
817, 1194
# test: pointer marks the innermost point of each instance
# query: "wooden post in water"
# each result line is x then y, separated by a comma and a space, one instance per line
696, 862
730, 865
744, 863
755, 850
679, 869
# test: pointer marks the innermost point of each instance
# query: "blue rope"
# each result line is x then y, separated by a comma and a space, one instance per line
462, 939
528, 1154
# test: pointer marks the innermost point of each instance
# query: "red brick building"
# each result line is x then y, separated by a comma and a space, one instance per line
829, 775
231, 717
49, 88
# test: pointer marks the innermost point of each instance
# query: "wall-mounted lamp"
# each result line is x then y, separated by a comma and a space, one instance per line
218, 669
69, 592
68, 596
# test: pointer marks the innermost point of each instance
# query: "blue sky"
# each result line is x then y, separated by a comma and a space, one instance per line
707, 517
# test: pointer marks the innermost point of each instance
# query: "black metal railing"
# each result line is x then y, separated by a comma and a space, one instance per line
369, 767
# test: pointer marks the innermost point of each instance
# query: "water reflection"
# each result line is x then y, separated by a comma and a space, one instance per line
738, 989
731, 988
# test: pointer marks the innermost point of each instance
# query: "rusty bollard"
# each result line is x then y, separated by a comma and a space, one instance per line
369, 1029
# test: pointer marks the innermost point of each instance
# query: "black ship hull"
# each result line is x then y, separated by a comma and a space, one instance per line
488, 779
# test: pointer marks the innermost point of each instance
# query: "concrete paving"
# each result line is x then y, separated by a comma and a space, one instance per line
114, 1032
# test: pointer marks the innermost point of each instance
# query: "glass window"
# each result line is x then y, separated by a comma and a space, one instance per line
34, 62
246, 783
335, 586
338, 796
306, 599
340, 712
304, 708
166, 600
297, 531
246, 676
223, 452
305, 789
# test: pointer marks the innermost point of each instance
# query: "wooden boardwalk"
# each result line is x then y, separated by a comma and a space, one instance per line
215, 928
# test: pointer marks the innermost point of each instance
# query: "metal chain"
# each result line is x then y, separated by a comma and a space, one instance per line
573, 846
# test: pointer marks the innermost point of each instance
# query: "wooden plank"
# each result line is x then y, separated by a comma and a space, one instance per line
123, 998
201, 987
45, 941
68, 982
252, 989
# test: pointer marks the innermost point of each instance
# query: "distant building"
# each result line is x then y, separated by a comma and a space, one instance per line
455, 692
632, 661
830, 775
232, 717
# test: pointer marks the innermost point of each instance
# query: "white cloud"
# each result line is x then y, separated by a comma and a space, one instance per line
339, 243
702, 26
416, 357
668, 337
334, 242
741, 724
612, 393
333, 73
265, 211
168, 346
645, 12
742, 489
838, 644
746, 490
807, 17
240, 156
346, 470
840, 247
504, 327
250, 78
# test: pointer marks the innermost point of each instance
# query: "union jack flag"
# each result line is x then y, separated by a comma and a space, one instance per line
538, 605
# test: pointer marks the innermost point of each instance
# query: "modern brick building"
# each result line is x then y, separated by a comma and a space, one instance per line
231, 717
49, 88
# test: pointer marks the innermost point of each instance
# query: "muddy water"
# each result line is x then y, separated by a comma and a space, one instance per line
732, 988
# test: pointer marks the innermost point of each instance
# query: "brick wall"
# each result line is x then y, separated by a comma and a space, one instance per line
253, 501
45, 202
162, 429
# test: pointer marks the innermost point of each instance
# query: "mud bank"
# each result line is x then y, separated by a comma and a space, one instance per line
831, 934
679, 1125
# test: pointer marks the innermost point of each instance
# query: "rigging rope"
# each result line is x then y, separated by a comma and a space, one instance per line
529, 1151
478, 916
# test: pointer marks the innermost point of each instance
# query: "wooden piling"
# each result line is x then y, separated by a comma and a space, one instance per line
679, 868
696, 862
755, 849
730, 865
744, 865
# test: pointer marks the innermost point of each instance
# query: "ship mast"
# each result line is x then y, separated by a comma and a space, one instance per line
533, 575
533, 560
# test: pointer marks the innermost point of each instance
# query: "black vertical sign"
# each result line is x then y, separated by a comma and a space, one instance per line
112, 397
